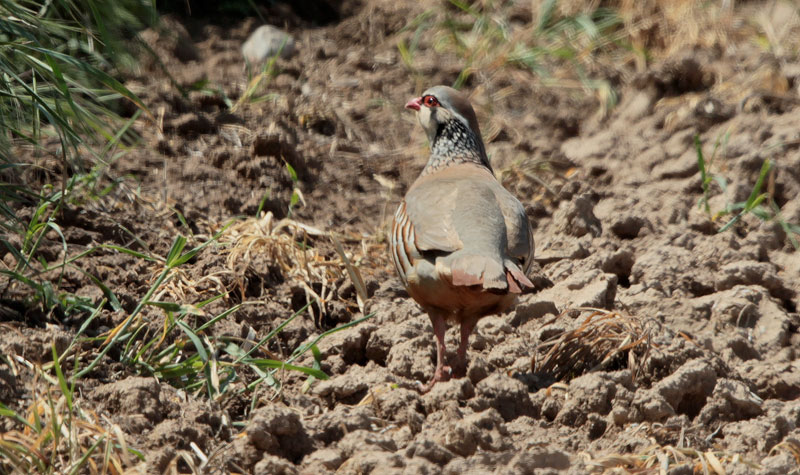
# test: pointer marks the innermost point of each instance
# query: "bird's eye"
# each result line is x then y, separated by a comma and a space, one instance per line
430, 101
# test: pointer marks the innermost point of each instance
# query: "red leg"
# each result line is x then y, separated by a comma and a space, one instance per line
442, 371
460, 367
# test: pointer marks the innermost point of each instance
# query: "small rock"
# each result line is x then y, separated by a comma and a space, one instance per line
276, 429
778, 380
577, 218
360, 440
752, 273
493, 329
332, 426
274, 465
592, 288
385, 337
350, 343
731, 401
341, 387
329, 459
592, 393
752, 307
372, 461
478, 369
399, 404
653, 407
461, 439
480, 462
412, 359
526, 312
136, 396
761, 434
528, 461
779, 463
741, 398
581, 149
421, 466
687, 389
505, 394
483, 430
429, 450
459, 389
551, 406
739, 346
265, 42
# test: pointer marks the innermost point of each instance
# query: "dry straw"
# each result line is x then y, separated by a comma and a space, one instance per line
600, 339
658, 459
56, 434
285, 243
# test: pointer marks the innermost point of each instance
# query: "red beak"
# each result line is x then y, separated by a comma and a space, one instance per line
415, 103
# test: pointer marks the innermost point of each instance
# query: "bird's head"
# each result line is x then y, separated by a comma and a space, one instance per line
441, 104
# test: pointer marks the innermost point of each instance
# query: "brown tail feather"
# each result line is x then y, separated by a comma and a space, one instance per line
518, 282
474, 270
469, 270
464, 278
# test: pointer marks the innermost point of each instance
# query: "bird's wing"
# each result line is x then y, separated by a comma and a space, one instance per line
518, 228
430, 206
464, 202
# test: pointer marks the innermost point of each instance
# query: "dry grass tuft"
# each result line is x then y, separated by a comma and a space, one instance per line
659, 459
603, 338
182, 287
286, 243
791, 446
57, 435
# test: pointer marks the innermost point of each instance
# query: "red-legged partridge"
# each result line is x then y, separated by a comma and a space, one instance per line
461, 243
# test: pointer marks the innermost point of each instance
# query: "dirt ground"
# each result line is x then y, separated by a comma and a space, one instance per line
694, 358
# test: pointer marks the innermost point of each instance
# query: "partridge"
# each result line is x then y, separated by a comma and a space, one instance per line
460, 242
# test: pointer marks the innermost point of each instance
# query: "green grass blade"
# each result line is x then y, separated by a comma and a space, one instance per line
83, 328
93, 72
204, 355
79, 465
754, 199
546, 13
274, 332
280, 365
175, 251
5, 411
184, 309
219, 317
126, 325
130, 252
701, 165
62, 382
303, 349
109, 294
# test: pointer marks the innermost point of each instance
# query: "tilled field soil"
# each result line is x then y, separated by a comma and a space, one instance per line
690, 353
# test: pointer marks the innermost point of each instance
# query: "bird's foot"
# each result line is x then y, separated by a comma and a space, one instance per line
442, 373
460, 368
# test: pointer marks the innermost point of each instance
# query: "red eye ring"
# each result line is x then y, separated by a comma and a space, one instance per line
430, 101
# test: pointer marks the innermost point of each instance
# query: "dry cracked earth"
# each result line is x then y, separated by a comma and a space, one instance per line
693, 338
